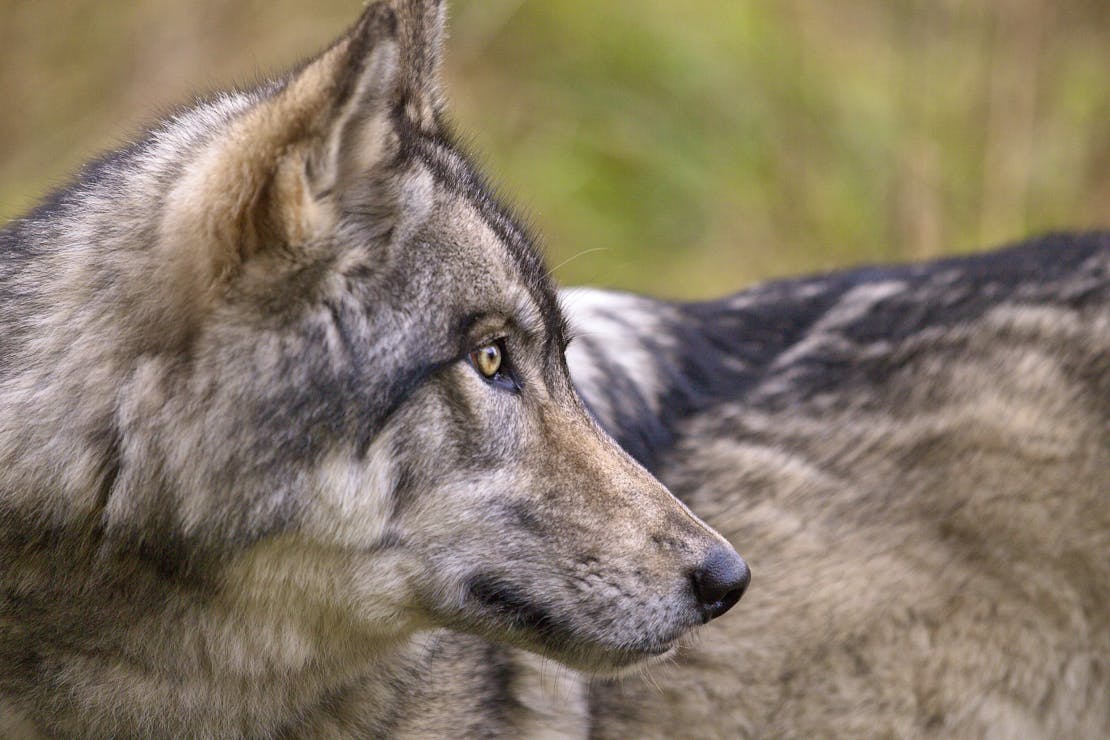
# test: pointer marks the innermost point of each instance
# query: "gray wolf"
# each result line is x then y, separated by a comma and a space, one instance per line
289, 446
282, 387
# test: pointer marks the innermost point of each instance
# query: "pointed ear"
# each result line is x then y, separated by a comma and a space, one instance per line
403, 83
270, 176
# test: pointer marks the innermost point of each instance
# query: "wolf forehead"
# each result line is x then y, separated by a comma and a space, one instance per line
463, 213
453, 171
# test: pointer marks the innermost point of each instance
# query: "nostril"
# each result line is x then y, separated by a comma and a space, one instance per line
720, 581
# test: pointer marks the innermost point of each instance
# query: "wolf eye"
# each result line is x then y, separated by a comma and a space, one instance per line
493, 364
487, 360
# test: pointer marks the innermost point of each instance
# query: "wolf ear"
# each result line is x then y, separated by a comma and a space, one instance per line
404, 88
275, 175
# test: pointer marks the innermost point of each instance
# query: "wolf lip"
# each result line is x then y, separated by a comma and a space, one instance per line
657, 648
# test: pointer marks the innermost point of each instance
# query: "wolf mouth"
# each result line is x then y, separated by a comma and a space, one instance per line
510, 605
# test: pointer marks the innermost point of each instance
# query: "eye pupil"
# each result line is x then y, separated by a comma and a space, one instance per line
487, 359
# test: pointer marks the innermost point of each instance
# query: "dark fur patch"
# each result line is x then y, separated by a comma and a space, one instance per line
727, 348
510, 605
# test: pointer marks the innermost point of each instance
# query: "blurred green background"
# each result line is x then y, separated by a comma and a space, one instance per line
680, 147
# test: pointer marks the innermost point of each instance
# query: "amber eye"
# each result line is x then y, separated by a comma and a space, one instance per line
487, 359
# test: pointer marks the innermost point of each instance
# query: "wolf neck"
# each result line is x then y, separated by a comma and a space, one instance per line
184, 666
426, 685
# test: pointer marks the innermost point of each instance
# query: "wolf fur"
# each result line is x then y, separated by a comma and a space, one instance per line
250, 484
245, 459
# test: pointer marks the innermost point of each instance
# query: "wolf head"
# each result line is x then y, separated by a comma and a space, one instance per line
306, 362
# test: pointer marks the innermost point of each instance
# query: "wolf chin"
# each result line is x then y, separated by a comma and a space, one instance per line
292, 444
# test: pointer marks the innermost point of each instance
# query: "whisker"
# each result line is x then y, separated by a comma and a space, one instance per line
574, 257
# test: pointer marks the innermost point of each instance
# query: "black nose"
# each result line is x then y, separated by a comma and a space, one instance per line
720, 581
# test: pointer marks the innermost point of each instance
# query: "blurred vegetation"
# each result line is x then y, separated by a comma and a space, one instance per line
681, 148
